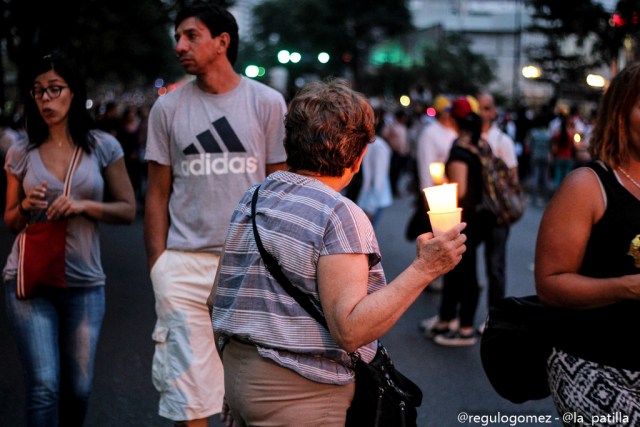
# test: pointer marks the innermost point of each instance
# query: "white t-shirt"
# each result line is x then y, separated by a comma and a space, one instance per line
502, 145
217, 145
434, 145
376, 185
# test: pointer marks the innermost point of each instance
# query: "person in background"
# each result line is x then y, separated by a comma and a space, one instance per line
375, 193
540, 145
524, 116
433, 145
460, 292
496, 235
588, 261
8, 136
128, 133
562, 148
57, 331
418, 120
396, 135
280, 363
208, 141
435, 140
581, 154
109, 120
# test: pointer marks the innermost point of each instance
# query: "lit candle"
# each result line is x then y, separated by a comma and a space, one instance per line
442, 198
444, 212
436, 169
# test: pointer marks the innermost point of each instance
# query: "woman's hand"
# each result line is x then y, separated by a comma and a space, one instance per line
438, 255
65, 207
36, 199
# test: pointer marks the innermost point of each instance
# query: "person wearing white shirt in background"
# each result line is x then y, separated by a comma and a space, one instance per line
396, 134
495, 244
435, 140
434, 144
375, 193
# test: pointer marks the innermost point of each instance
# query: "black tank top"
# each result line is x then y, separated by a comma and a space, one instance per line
609, 335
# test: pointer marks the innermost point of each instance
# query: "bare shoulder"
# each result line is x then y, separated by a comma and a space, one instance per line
581, 179
580, 191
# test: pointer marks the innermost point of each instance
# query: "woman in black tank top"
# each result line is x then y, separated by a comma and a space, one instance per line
588, 259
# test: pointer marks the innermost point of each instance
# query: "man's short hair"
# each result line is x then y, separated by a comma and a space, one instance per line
328, 125
217, 19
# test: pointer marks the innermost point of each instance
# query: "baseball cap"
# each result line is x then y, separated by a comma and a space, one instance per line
441, 103
461, 107
475, 106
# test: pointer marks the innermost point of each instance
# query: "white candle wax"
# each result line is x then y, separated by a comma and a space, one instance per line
442, 198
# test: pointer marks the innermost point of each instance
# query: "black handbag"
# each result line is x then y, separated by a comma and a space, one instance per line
516, 343
384, 397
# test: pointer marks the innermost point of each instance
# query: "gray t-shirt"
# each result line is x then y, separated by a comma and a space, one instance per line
217, 145
83, 265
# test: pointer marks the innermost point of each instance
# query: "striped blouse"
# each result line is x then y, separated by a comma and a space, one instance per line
299, 220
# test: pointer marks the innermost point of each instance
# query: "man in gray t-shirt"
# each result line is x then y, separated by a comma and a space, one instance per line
208, 141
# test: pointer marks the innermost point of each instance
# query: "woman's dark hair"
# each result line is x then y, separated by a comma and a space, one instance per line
218, 20
80, 121
467, 120
471, 123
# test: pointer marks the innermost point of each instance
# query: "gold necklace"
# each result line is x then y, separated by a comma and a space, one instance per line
633, 181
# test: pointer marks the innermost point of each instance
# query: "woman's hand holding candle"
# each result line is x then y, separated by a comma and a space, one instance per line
444, 212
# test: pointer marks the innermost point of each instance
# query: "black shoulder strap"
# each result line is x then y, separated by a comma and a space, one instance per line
276, 271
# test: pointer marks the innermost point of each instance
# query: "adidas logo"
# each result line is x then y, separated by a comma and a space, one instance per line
206, 164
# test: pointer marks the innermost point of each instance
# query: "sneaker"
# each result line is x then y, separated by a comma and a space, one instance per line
455, 339
436, 330
427, 324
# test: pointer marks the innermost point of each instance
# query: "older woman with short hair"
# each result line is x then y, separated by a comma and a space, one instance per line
280, 364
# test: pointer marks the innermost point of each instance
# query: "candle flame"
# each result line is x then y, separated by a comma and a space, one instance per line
436, 169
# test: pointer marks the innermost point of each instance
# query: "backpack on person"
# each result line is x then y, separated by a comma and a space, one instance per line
502, 194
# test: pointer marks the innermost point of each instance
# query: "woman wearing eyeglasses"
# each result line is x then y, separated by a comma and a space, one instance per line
56, 331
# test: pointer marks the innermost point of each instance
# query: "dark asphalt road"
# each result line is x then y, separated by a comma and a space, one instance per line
452, 379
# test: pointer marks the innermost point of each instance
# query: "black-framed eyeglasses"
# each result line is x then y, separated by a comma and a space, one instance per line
52, 91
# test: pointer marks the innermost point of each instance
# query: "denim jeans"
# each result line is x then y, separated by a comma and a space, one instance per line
57, 336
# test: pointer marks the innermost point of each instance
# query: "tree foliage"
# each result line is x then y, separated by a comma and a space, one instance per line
587, 29
577, 23
451, 67
123, 41
346, 29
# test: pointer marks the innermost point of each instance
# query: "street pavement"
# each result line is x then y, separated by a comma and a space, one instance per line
452, 379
